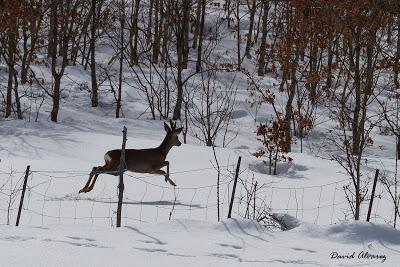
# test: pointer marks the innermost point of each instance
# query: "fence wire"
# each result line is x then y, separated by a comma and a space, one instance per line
156, 202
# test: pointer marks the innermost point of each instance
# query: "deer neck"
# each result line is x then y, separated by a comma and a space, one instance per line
165, 147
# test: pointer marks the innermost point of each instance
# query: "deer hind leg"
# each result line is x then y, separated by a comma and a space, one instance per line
96, 171
93, 182
84, 189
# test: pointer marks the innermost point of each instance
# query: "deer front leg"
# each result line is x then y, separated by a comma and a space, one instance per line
161, 172
167, 179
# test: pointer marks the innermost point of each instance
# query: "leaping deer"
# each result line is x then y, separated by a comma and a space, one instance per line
149, 160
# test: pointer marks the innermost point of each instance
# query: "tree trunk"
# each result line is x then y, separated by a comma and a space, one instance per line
396, 66
165, 33
53, 54
16, 95
56, 98
250, 33
94, 99
398, 148
150, 23
11, 63
238, 38
157, 25
180, 47
313, 72
263, 46
258, 24
51, 44
197, 25
179, 89
24, 67
355, 57
228, 14
331, 47
185, 28
200, 48
134, 35
121, 58
84, 59
289, 108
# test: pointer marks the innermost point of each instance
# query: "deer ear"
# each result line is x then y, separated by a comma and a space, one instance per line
167, 129
179, 130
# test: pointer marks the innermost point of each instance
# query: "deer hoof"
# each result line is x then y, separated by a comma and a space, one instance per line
83, 190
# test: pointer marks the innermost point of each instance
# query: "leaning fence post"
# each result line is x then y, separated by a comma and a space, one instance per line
21, 202
372, 194
234, 187
122, 167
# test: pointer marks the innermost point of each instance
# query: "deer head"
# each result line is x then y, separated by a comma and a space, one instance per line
172, 134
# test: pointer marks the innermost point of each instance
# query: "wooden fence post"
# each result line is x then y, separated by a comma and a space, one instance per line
372, 194
122, 168
234, 187
254, 201
21, 202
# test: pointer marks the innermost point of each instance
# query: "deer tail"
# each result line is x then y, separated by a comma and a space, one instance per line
107, 157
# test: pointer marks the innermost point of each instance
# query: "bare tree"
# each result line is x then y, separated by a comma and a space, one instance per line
94, 9
211, 107
60, 36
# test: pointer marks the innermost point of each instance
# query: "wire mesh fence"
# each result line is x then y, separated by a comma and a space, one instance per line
148, 201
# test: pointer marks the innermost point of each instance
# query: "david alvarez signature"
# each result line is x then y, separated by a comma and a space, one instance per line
362, 255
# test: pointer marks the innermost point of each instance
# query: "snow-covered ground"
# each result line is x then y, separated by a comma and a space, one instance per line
60, 227
182, 242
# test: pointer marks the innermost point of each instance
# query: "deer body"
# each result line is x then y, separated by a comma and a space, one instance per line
149, 160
